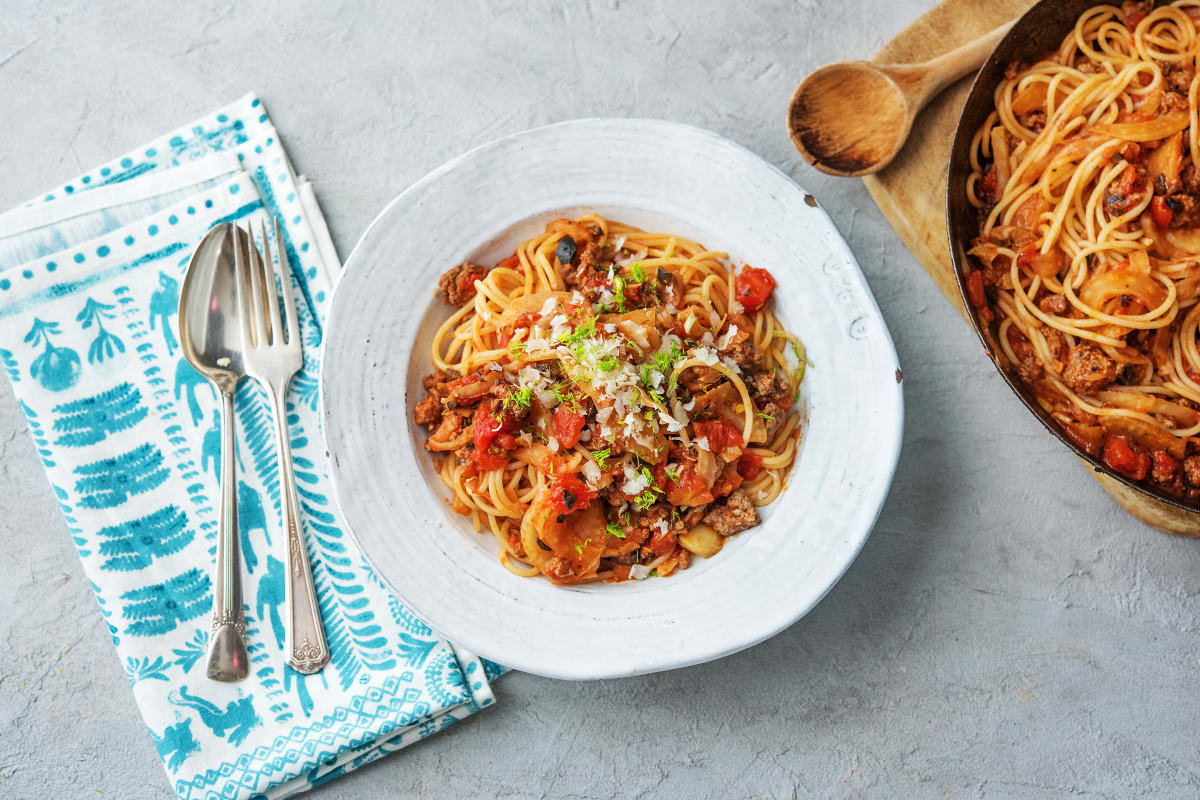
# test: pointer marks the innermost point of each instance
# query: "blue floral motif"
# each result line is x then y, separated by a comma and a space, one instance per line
57, 368
140, 669
106, 344
158, 608
191, 652
92, 419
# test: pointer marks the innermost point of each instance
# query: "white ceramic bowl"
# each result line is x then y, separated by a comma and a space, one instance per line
660, 176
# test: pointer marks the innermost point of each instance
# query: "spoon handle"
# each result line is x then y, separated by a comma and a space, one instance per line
948, 68
227, 658
304, 641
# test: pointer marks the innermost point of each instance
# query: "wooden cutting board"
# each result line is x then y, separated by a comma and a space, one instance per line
911, 191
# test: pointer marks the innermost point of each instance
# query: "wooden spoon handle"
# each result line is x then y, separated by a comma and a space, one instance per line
946, 69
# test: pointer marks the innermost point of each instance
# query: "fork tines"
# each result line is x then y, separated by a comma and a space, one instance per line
262, 326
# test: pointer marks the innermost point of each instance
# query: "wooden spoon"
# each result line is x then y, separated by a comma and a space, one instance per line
852, 118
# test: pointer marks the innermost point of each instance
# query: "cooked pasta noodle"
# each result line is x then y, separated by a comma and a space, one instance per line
609, 402
1085, 272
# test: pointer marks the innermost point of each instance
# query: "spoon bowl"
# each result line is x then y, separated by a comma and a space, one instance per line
849, 118
852, 118
210, 335
209, 330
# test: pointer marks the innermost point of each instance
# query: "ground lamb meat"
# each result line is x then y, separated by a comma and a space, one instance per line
1028, 365
1053, 304
558, 567
1034, 120
457, 286
451, 426
770, 387
1191, 179
583, 268
773, 419
1191, 470
1088, 369
743, 352
733, 514
1134, 11
435, 378
697, 379
429, 411
1177, 78
1172, 101
1185, 210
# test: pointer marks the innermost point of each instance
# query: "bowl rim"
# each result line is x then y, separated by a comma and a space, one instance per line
1014, 45
875, 500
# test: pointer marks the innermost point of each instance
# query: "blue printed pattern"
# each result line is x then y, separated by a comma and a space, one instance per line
129, 436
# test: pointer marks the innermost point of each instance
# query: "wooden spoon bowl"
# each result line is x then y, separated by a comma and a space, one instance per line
853, 117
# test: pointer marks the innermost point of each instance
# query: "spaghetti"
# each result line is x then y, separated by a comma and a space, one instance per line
609, 402
1086, 272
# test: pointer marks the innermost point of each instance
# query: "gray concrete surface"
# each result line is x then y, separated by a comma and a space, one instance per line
1006, 633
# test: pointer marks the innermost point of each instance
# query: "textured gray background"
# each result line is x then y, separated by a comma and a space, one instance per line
1006, 632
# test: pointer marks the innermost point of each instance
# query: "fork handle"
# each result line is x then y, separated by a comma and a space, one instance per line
304, 641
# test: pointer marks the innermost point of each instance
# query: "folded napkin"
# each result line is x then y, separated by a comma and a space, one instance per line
129, 437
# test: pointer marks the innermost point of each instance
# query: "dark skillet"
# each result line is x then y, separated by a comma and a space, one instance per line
1040, 31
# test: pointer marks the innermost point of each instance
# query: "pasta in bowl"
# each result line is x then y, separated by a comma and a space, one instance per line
593, 181
609, 403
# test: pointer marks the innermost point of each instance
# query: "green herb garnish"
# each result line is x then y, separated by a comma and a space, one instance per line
615, 530
601, 457
584, 330
637, 273
518, 399
563, 397
619, 292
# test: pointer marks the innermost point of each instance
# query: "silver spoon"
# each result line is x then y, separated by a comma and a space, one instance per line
210, 333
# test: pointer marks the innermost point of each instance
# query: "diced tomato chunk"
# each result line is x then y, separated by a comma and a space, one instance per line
568, 493
720, 435
1160, 212
489, 424
512, 262
749, 465
975, 289
662, 542
1122, 458
754, 287
686, 489
567, 425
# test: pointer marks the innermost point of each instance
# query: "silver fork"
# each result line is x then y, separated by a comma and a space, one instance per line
272, 353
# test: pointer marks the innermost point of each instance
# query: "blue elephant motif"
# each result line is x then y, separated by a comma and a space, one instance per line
186, 381
251, 517
164, 304
270, 597
210, 448
177, 742
57, 368
232, 723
